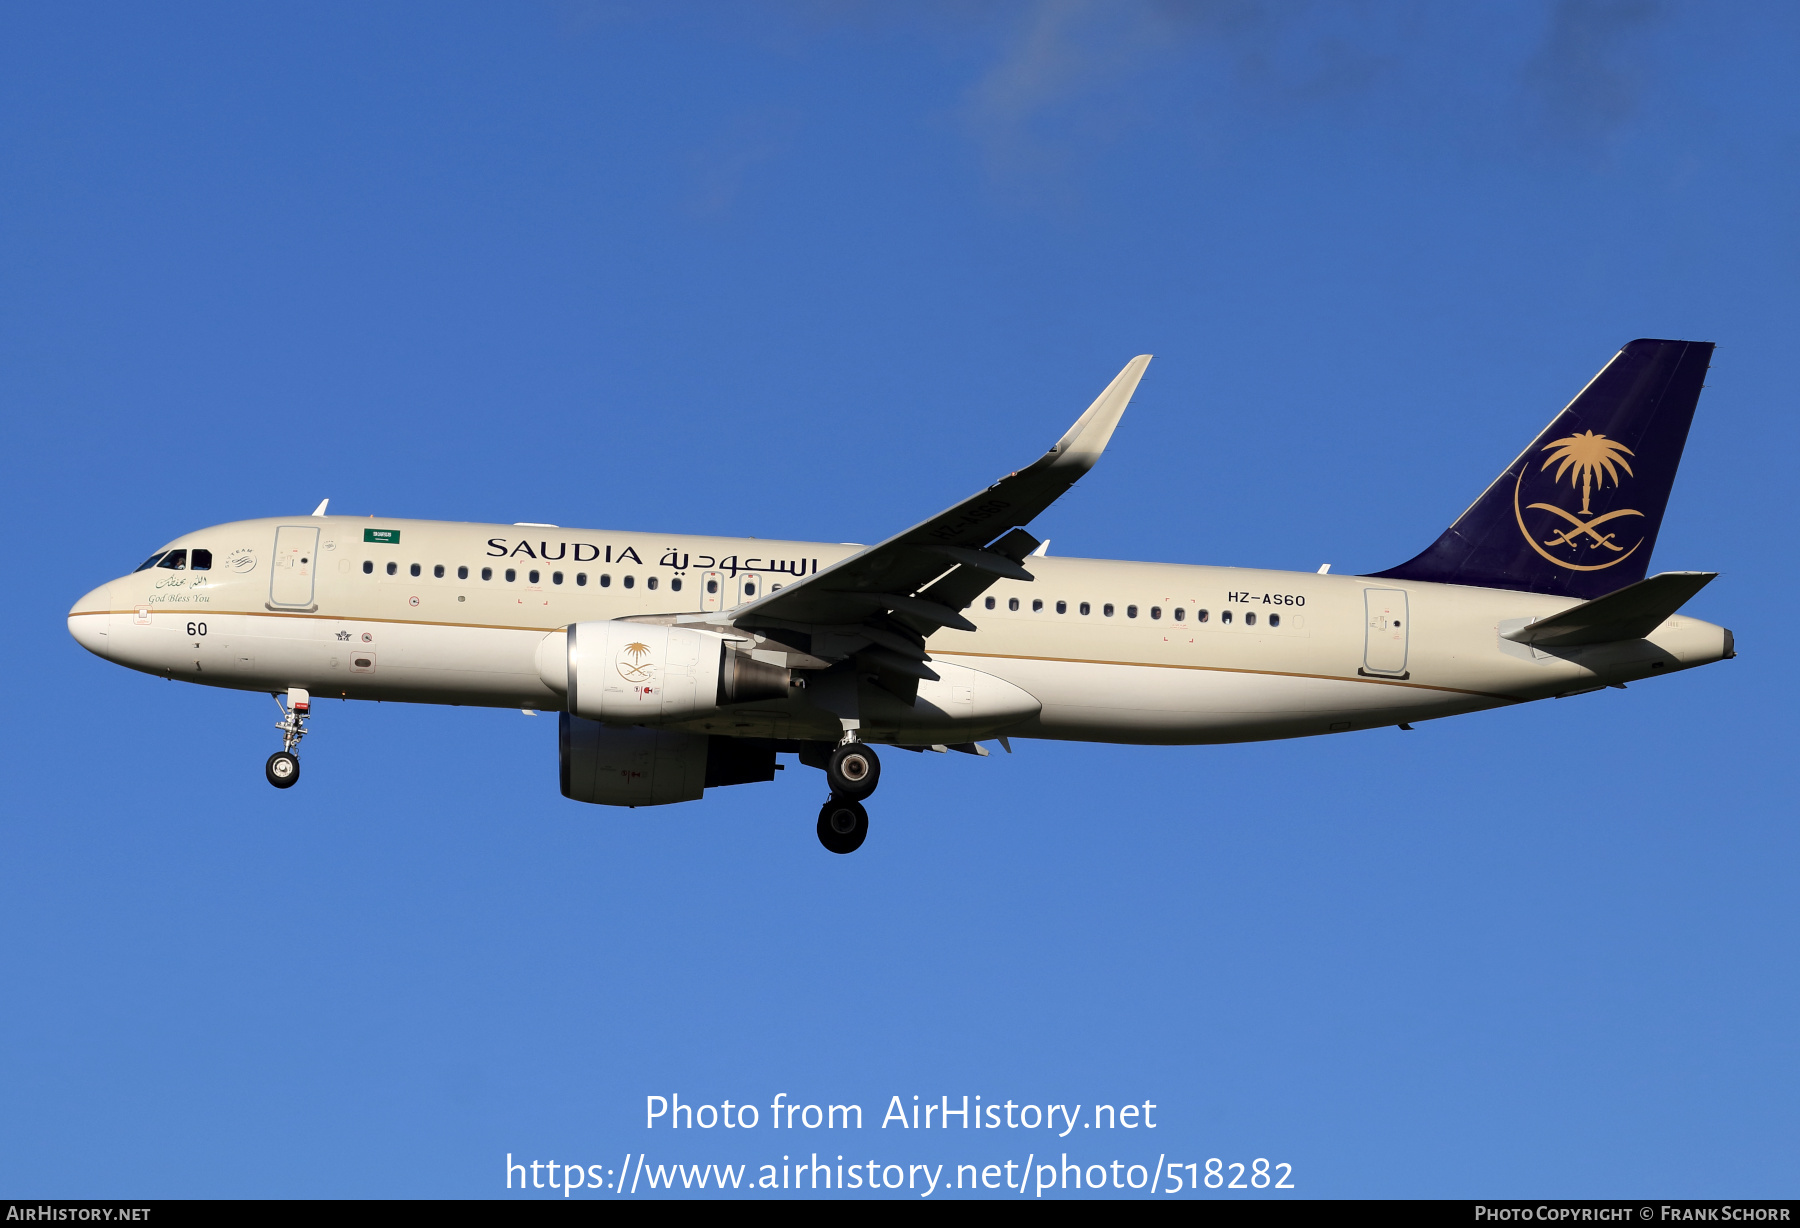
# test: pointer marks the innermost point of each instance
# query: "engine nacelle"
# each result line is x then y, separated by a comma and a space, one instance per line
626, 673
615, 766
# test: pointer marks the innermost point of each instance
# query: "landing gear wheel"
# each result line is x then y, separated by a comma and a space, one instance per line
282, 769
843, 824
853, 771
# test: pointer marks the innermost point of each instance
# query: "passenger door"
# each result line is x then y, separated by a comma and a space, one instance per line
1384, 638
296, 560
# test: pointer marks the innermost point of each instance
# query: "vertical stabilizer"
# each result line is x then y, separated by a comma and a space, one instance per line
1577, 513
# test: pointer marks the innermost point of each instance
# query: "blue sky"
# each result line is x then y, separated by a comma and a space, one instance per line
816, 271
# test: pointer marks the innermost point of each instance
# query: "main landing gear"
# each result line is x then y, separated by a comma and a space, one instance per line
283, 767
843, 824
852, 771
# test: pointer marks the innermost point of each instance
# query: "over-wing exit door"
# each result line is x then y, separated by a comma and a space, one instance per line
1384, 639
296, 559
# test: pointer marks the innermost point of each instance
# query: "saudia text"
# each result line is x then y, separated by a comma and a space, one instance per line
677, 560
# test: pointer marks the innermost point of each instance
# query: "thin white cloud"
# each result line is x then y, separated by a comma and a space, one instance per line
1589, 71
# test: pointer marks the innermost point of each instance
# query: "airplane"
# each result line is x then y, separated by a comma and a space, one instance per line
682, 663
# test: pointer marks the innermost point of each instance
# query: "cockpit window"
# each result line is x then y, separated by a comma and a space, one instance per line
200, 560
174, 560
150, 562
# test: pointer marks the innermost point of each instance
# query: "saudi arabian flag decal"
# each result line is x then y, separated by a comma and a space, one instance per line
387, 537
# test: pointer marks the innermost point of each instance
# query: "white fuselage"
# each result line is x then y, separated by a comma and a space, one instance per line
1186, 654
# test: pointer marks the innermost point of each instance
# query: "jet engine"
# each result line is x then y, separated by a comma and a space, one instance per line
628, 673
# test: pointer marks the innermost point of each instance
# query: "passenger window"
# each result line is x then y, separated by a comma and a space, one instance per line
1201, 616
1012, 603
1155, 611
531, 577
581, 579
605, 580
1250, 619
414, 569
511, 575
629, 581
1225, 617
368, 567
651, 584
675, 585
200, 560
556, 577
1107, 609
487, 573
1274, 620
773, 588
438, 571
1180, 614
1037, 606
392, 568
1130, 611
990, 603
174, 560
1062, 607
712, 586
462, 573
1084, 607
150, 562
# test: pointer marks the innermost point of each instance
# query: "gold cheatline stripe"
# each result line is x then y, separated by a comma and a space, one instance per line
997, 656
1228, 669
336, 618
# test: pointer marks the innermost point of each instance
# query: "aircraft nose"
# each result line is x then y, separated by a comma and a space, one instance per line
89, 619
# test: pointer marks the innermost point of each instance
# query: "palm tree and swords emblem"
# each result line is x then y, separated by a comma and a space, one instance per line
634, 663
1589, 460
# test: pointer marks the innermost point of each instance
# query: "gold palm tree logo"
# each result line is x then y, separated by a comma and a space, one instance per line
1590, 461
1594, 458
631, 662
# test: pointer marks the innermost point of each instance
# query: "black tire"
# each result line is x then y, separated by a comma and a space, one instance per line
843, 825
853, 771
282, 769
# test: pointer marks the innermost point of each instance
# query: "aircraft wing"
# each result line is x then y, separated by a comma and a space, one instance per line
891, 596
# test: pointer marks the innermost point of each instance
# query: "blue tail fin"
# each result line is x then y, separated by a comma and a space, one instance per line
1577, 513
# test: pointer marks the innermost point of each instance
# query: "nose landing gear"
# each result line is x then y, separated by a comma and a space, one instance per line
852, 771
283, 767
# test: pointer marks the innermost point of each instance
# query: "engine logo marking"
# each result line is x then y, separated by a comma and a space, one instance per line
634, 663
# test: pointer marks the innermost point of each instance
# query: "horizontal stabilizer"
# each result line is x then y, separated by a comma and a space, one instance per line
1631, 613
